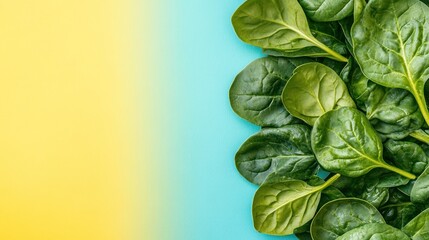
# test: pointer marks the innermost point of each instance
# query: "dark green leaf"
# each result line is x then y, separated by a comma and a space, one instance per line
327, 10
339, 216
420, 190
344, 142
398, 215
390, 45
392, 112
408, 156
285, 151
374, 231
418, 228
255, 94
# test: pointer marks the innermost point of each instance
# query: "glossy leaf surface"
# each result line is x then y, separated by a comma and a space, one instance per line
420, 190
285, 151
344, 142
390, 45
255, 94
279, 25
340, 216
279, 208
372, 231
418, 228
408, 156
393, 113
327, 10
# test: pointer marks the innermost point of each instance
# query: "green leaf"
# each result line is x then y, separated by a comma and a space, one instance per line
255, 94
408, 156
279, 25
392, 112
327, 33
420, 190
279, 208
406, 189
399, 210
359, 5
339, 216
313, 90
372, 187
285, 151
372, 231
344, 142
327, 10
418, 228
389, 43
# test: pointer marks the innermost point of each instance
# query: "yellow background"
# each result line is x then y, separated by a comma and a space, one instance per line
69, 131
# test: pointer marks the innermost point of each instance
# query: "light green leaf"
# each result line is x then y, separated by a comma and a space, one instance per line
279, 208
313, 90
278, 25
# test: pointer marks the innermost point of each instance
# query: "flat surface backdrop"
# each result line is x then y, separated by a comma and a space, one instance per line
216, 199
115, 121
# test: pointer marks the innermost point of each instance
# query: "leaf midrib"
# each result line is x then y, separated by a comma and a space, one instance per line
376, 162
287, 26
315, 189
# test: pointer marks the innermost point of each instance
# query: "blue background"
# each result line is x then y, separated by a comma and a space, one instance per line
215, 200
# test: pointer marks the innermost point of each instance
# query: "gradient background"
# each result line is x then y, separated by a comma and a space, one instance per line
115, 121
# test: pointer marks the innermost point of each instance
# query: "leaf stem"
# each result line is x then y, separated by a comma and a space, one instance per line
421, 102
399, 171
325, 48
330, 181
420, 135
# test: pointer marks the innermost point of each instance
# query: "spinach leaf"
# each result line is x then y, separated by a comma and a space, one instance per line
334, 65
420, 190
345, 73
418, 228
399, 209
358, 6
420, 135
398, 215
279, 208
255, 94
372, 231
346, 27
313, 90
327, 10
280, 26
389, 43
303, 236
328, 194
372, 187
285, 151
339, 216
406, 189
327, 33
392, 112
408, 156
344, 142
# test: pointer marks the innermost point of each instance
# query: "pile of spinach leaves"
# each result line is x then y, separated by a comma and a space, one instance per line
342, 94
